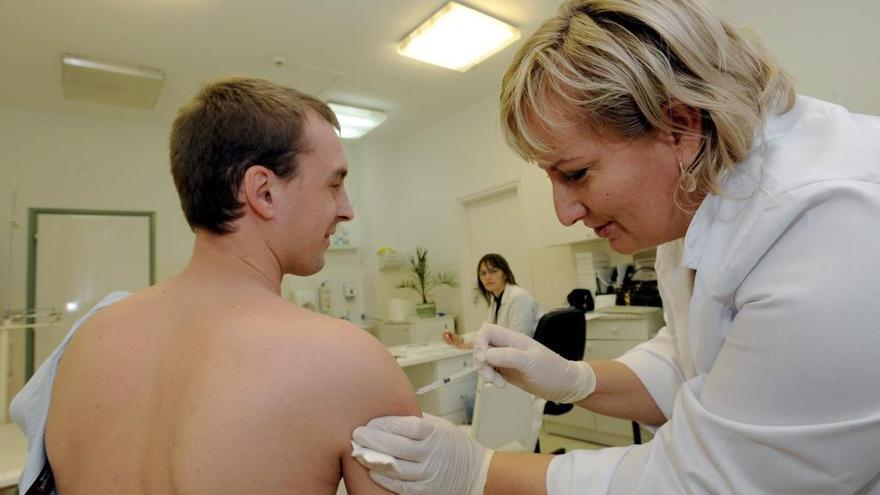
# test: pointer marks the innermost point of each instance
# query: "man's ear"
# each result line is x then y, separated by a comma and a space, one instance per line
257, 191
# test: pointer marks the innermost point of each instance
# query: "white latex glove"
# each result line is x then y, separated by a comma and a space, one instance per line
434, 456
508, 356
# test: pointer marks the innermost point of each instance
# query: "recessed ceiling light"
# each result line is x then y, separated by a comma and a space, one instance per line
457, 37
355, 121
110, 83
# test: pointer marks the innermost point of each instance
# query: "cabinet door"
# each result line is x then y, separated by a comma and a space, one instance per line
395, 334
610, 349
448, 399
621, 327
452, 398
613, 426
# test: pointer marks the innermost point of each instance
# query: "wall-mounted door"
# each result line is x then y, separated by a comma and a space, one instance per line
75, 258
495, 225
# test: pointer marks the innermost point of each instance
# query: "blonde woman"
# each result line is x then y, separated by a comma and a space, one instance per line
661, 125
510, 306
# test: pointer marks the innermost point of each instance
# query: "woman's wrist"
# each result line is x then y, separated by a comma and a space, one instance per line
583, 382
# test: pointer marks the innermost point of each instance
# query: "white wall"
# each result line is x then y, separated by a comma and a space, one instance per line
427, 171
63, 161
829, 47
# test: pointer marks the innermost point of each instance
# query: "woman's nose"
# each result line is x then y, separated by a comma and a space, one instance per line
569, 208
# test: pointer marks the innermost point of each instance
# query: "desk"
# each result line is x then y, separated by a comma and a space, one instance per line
13, 454
414, 330
425, 363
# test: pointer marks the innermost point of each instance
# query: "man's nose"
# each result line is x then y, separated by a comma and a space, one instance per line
344, 209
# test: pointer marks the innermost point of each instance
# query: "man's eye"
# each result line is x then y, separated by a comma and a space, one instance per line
574, 176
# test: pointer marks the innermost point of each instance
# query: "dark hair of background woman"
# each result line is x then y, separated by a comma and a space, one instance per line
496, 261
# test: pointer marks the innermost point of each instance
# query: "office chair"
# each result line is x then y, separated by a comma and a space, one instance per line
563, 331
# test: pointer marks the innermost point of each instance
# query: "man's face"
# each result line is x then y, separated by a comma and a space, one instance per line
315, 200
622, 189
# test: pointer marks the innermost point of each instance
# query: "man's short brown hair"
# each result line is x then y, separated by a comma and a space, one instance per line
230, 125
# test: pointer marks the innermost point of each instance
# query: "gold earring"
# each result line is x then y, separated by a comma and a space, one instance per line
688, 182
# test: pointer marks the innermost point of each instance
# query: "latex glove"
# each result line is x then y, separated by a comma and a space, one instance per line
508, 356
434, 456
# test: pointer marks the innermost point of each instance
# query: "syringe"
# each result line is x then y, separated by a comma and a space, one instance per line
449, 379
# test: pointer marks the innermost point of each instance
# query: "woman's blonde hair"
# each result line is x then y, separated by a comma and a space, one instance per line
620, 65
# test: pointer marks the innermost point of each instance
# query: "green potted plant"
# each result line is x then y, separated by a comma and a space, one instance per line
423, 281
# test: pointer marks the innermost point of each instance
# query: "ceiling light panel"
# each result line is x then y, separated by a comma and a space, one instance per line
355, 121
458, 38
110, 83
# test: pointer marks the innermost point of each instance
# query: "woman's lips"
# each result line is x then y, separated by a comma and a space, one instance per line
603, 230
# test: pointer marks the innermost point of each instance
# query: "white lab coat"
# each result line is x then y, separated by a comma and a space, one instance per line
767, 368
519, 310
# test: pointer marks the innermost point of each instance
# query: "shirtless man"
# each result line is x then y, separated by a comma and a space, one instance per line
210, 382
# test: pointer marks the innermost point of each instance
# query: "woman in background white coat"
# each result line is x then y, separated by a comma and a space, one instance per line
510, 306
660, 124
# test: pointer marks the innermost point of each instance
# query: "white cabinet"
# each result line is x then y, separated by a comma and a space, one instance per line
450, 400
609, 335
414, 330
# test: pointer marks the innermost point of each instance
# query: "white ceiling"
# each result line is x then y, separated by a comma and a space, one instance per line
339, 50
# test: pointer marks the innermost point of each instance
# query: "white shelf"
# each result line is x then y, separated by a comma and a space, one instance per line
342, 248
393, 261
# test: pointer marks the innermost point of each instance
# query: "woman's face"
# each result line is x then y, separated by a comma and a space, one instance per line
622, 189
492, 278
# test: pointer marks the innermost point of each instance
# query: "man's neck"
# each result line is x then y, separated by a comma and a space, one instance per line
234, 258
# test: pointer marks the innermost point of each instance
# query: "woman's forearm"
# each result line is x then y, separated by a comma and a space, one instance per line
621, 394
517, 474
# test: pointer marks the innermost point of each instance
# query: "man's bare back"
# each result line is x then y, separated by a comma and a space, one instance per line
184, 388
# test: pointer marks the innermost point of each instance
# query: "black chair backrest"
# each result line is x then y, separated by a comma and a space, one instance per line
564, 331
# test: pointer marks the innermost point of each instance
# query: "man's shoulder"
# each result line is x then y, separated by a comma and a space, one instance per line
331, 371
297, 327
331, 347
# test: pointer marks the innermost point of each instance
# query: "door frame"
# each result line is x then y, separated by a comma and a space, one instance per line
33, 223
465, 202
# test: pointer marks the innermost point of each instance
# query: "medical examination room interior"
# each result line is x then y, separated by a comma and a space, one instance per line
88, 93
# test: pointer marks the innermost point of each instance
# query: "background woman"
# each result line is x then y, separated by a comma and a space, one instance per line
510, 306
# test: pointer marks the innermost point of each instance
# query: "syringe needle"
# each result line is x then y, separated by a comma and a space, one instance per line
449, 379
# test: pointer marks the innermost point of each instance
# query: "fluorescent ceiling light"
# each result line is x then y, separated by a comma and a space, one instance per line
457, 37
109, 83
356, 122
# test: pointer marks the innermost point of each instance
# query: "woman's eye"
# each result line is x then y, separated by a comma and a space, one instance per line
574, 176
